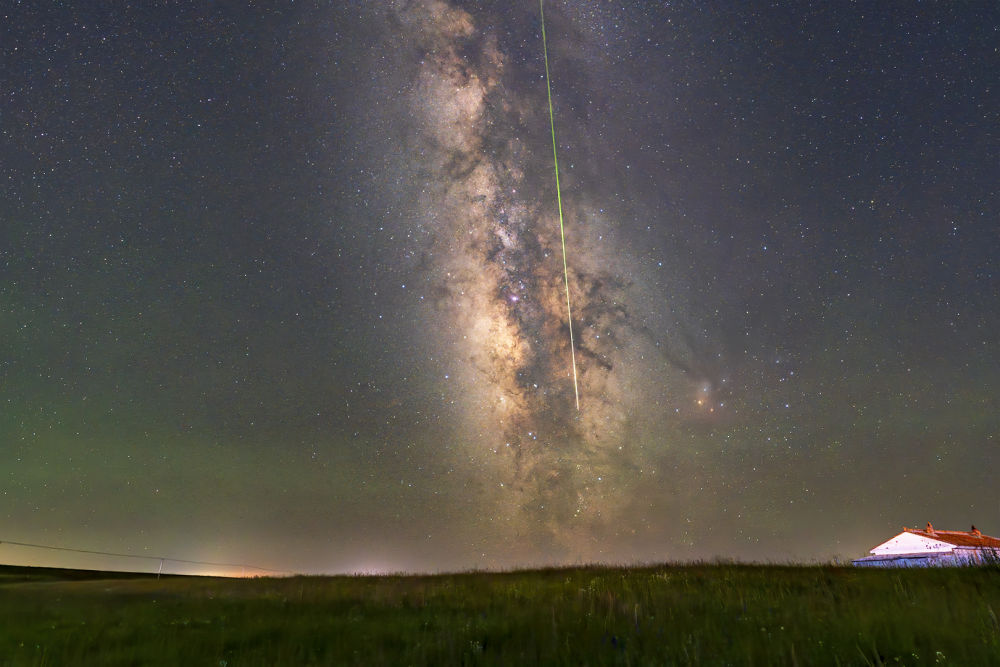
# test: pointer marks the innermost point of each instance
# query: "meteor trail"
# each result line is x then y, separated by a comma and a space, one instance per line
562, 233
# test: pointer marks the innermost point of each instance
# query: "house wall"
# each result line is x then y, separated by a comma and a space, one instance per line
959, 556
909, 560
977, 556
908, 543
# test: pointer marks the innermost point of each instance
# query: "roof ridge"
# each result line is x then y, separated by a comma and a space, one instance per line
935, 531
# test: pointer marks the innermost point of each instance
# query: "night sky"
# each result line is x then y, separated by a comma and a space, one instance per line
284, 286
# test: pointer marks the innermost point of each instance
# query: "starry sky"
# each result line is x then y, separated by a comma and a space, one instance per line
283, 285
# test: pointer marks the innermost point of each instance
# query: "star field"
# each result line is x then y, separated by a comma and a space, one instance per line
284, 287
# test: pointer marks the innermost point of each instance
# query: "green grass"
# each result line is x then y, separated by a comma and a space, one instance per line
665, 615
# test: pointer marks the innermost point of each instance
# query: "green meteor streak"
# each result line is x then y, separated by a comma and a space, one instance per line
562, 233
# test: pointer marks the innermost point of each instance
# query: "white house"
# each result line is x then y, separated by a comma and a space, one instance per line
916, 547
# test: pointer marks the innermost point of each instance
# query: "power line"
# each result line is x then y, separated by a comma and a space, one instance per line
162, 559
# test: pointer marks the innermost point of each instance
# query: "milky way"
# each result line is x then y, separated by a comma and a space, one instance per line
557, 477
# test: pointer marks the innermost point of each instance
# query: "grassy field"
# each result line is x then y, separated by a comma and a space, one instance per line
665, 615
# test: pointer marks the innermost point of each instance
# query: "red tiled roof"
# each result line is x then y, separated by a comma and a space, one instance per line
959, 538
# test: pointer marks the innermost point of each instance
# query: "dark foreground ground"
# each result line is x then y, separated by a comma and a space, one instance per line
666, 615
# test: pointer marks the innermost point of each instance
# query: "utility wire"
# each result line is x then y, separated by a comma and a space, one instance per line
159, 558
